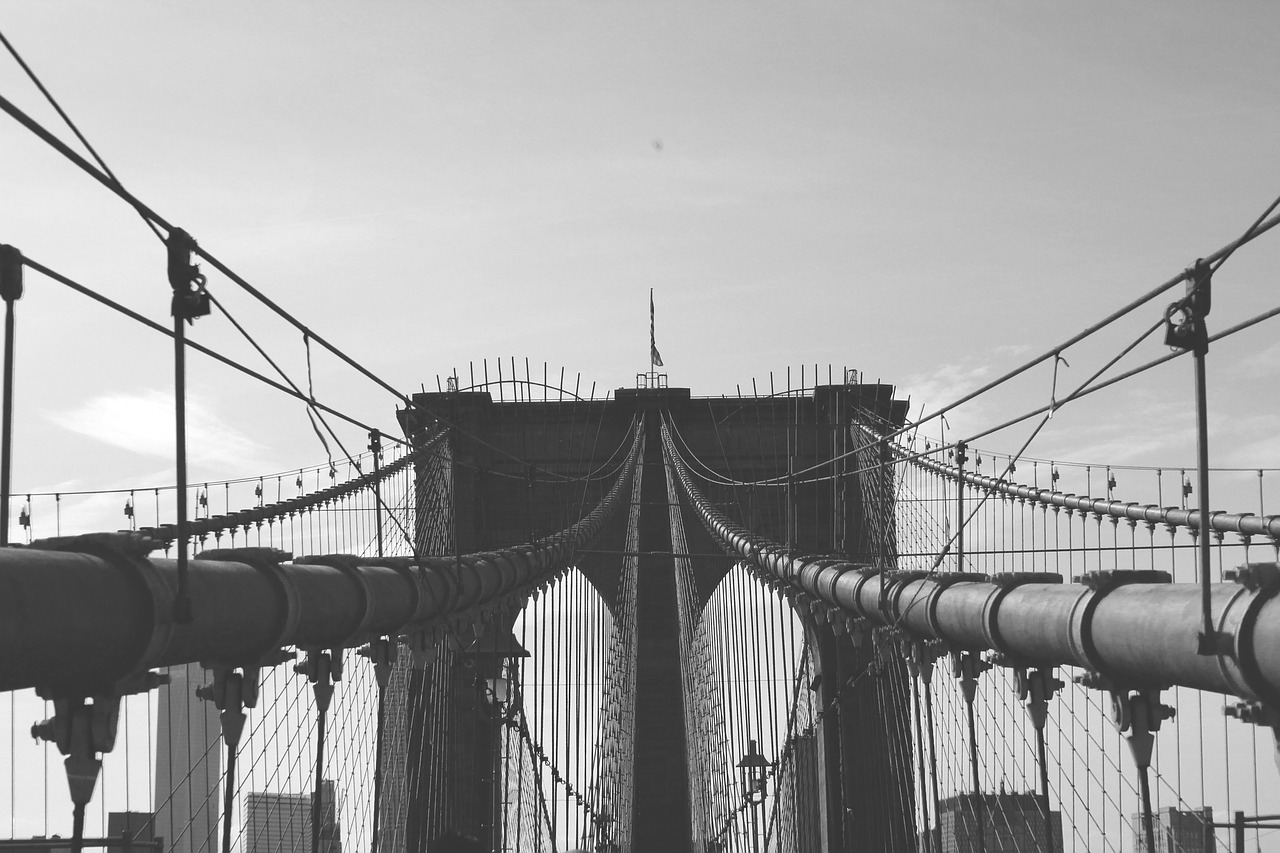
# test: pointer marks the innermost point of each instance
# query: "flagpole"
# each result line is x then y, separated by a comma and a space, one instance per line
653, 346
655, 359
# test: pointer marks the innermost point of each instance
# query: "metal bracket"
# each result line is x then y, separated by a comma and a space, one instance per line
1007, 582
921, 654
321, 669
382, 653
1105, 581
1189, 333
1258, 714
1035, 690
1139, 712
1101, 584
968, 667
233, 689
83, 731
190, 299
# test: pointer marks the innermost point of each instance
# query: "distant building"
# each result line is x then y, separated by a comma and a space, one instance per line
1011, 823
188, 764
140, 826
1176, 831
281, 823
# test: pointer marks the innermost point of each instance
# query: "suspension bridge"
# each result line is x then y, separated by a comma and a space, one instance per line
538, 617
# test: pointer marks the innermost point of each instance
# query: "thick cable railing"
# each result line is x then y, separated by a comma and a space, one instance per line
247, 613
1081, 790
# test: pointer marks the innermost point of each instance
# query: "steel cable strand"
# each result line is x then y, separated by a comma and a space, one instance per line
1245, 524
1256, 230
819, 579
1086, 390
789, 742
529, 564
884, 443
149, 214
711, 475
213, 525
151, 324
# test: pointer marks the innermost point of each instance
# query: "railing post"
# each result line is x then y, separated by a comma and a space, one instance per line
189, 302
961, 458
10, 291
968, 667
375, 447
1191, 334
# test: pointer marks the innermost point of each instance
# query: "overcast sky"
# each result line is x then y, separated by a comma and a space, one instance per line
928, 192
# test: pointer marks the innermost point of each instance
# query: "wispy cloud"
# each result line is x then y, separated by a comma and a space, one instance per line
942, 386
1262, 363
142, 422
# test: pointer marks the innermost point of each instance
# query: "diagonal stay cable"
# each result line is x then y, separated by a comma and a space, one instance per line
107, 179
311, 407
308, 398
248, 371
1013, 459
1218, 256
71, 124
149, 214
1248, 233
1083, 392
912, 456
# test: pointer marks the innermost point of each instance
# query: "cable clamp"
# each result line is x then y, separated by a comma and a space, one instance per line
321, 668
1189, 331
1140, 713
231, 692
190, 299
84, 731
1035, 690
968, 666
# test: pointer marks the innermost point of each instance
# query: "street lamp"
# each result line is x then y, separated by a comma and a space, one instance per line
754, 772
496, 659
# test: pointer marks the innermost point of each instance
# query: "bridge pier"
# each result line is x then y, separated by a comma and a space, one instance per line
513, 472
662, 810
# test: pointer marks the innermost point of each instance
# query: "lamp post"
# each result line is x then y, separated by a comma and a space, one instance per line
496, 658
754, 777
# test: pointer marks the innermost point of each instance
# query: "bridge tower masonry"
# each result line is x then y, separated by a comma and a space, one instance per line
511, 473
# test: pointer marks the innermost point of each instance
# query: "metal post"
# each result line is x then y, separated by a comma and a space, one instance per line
924, 808
375, 445
1044, 788
11, 291
1148, 821
1192, 334
933, 759
961, 458
968, 667
189, 302
317, 798
1202, 481
1239, 832
980, 820
182, 605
